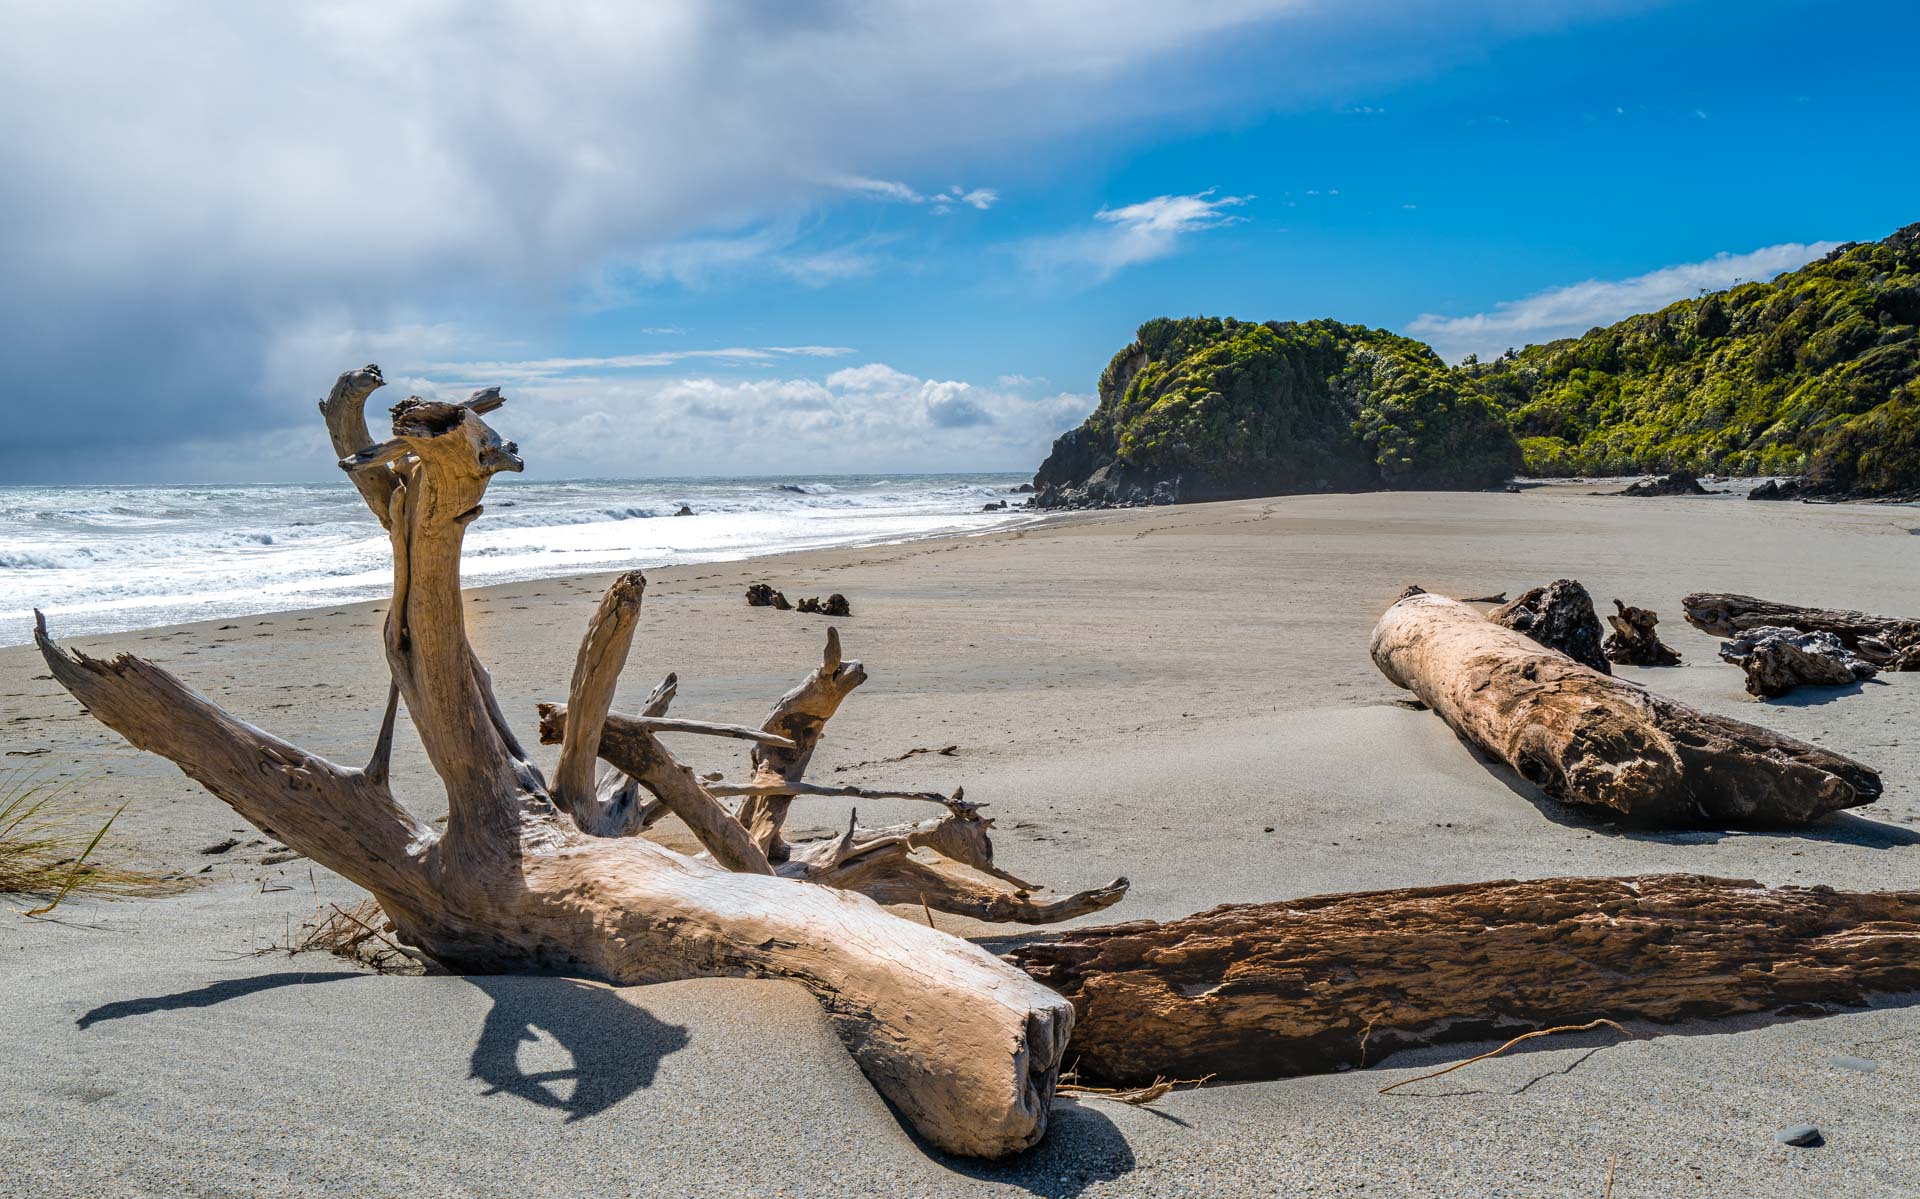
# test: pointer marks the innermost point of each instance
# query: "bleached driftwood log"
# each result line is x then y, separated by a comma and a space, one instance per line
1254, 991
965, 1046
1888, 642
1588, 738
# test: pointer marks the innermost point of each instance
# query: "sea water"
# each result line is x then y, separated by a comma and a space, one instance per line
106, 559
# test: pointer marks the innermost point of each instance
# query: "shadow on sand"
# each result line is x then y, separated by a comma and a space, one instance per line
616, 1047
1840, 828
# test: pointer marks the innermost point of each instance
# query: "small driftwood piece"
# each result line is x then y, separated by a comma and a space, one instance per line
1889, 642
964, 1045
1559, 616
1777, 660
1305, 986
1633, 641
1586, 738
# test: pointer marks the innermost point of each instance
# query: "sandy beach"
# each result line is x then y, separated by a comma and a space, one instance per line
1139, 693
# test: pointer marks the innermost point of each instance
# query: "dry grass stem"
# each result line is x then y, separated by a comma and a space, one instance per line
1525, 1036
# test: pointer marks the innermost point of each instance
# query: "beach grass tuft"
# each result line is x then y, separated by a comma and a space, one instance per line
47, 847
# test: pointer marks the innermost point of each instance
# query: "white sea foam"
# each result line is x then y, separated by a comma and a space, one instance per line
104, 559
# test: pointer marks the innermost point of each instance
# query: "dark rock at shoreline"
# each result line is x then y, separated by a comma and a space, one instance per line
1680, 482
684, 511
995, 506
1780, 489
760, 595
834, 605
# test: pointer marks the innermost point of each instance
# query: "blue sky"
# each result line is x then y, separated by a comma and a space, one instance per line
694, 238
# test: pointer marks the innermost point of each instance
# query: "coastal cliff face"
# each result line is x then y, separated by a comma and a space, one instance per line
1209, 408
1816, 372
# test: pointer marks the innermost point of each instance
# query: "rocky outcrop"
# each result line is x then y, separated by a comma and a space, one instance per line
1210, 409
1777, 660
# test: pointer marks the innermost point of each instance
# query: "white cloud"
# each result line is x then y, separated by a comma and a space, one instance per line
1132, 233
1569, 311
193, 190
866, 418
981, 198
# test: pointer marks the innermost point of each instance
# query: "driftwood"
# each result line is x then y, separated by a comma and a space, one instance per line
834, 605
1777, 660
1888, 642
1559, 616
1258, 991
1633, 641
760, 595
1586, 738
966, 1046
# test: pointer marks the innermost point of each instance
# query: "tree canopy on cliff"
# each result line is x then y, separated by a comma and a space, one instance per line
1817, 371
1236, 408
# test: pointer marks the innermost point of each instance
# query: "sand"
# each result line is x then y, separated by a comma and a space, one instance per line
1137, 693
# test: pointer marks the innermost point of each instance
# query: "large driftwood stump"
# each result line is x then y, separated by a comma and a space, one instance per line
1258, 991
1888, 642
1587, 738
532, 876
1559, 616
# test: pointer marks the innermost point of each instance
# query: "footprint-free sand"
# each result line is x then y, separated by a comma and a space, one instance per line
1140, 693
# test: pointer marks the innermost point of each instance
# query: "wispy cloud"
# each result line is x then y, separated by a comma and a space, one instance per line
1133, 233
981, 198
1572, 310
549, 368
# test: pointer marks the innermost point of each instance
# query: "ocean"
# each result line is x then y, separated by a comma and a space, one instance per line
107, 559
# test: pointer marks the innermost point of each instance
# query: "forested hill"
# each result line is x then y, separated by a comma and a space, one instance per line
1210, 408
1815, 372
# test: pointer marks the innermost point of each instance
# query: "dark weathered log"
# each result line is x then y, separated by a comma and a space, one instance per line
1559, 616
1777, 660
1633, 641
1889, 642
963, 1044
1258, 991
1586, 738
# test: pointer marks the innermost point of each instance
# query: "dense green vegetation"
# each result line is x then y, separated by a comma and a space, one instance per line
1239, 408
1817, 371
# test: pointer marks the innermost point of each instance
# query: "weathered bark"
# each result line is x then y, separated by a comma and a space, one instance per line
965, 1046
1259, 991
1559, 616
1777, 660
1633, 641
1888, 642
1586, 738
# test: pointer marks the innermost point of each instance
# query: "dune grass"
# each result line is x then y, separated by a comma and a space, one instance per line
47, 847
